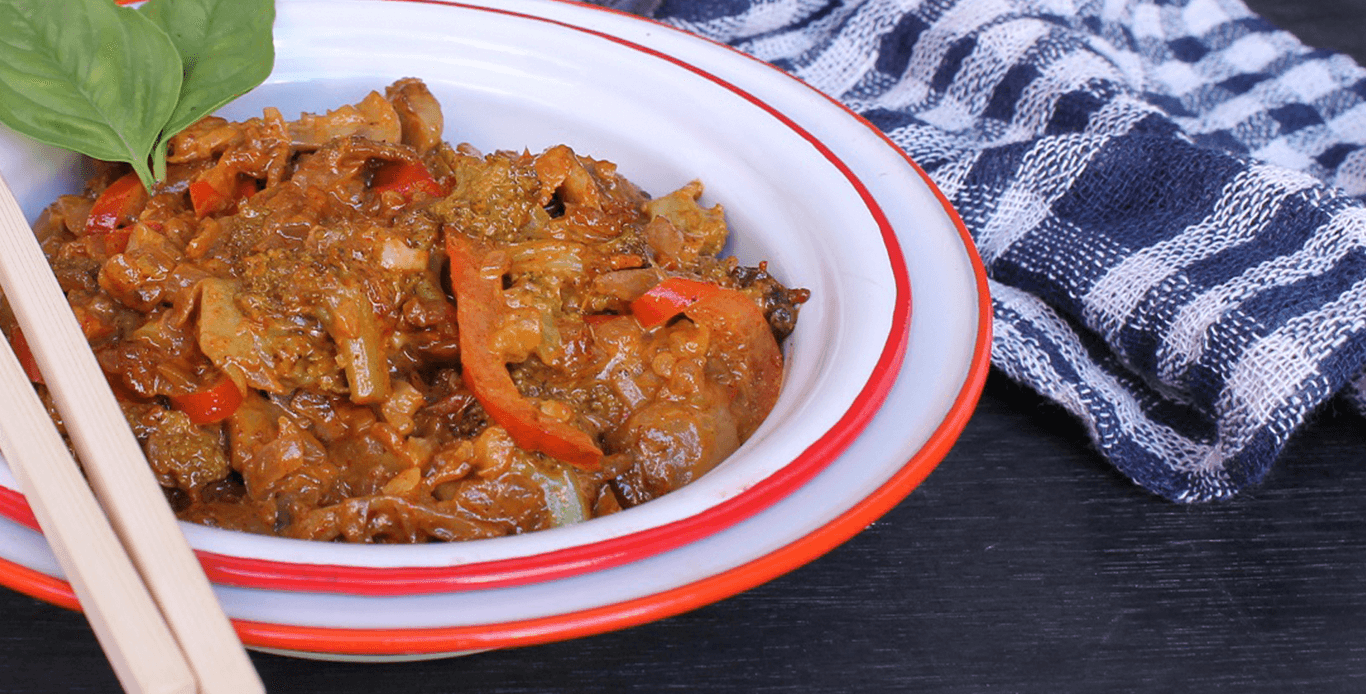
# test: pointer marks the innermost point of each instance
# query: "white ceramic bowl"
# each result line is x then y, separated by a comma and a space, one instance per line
807, 186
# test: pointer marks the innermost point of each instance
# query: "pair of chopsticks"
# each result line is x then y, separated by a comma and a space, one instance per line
141, 587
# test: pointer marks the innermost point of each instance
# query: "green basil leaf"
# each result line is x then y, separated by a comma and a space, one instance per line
88, 76
226, 46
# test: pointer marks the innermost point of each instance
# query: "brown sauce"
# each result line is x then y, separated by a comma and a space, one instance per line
343, 328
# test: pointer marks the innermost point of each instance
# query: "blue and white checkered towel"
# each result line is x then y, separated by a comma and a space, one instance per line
1165, 194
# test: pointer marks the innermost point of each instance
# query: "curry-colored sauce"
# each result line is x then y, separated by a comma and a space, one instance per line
282, 324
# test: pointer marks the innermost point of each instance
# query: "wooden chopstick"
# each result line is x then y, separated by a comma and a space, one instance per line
115, 466
135, 638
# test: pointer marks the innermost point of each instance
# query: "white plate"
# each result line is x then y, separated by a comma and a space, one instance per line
790, 136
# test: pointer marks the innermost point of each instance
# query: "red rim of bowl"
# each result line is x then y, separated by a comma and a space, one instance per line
608, 553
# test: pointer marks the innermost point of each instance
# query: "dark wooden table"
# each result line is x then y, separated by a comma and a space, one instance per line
1023, 564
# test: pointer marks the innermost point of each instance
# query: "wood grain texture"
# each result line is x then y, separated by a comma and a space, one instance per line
126, 621
1023, 564
112, 461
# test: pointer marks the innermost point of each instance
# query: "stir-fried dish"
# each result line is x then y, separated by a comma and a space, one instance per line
342, 327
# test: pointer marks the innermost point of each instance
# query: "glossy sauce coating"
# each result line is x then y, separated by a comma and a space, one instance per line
342, 328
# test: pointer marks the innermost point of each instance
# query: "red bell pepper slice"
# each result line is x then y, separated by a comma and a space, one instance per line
207, 199
25, 355
116, 205
405, 178
478, 299
669, 298
204, 198
212, 404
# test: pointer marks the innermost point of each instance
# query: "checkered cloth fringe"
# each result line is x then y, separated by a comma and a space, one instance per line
1165, 194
